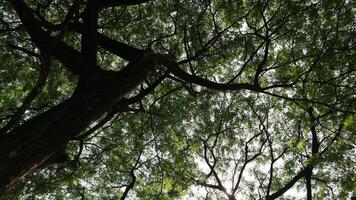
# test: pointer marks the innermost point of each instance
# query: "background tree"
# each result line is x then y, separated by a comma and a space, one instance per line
118, 99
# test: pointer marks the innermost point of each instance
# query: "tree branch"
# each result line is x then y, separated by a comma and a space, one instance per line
89, 29
45, 65
68, 56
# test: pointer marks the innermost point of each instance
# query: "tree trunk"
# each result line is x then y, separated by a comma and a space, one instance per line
35, 143
308, 184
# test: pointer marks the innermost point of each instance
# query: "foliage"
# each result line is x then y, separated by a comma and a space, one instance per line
185, 140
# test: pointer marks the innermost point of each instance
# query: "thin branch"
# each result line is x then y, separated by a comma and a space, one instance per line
45, 65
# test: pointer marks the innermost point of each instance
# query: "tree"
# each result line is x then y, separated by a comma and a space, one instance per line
117, 99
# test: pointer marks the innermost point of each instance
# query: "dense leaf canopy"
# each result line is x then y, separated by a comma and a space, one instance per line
177, 99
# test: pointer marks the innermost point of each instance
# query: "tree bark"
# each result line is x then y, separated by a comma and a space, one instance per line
41, 141
28, 147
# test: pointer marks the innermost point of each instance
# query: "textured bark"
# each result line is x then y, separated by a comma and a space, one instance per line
41, 141
35, 143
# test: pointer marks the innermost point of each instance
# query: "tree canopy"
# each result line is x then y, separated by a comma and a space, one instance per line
177, 99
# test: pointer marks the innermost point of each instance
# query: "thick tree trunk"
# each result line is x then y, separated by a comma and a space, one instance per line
40, 141
29, 146
35, 143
